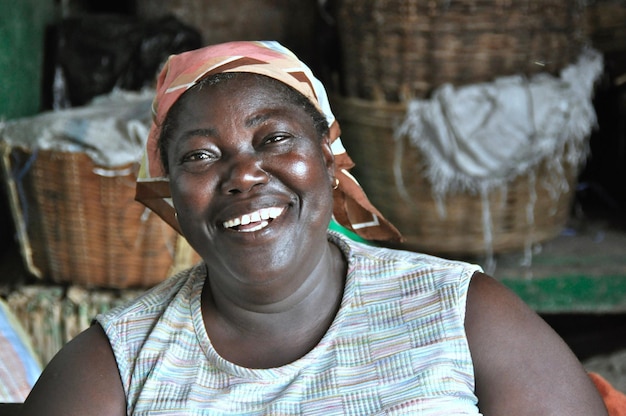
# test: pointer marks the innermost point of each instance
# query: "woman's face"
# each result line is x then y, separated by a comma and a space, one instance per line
250, 178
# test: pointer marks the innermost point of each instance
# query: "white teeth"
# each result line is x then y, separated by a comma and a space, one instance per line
261, 216
257, 227
275, 212
232, 223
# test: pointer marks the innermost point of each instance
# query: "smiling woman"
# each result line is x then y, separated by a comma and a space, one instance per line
239, 149
283, 316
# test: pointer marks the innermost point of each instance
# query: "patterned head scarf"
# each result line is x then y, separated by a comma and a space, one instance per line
351, 208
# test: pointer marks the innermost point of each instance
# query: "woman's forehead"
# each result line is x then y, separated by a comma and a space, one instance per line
249, 98
244, 87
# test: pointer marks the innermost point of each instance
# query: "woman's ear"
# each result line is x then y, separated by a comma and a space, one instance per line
329, 157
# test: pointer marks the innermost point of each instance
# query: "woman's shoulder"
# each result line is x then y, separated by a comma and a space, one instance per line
82, 379
522, 366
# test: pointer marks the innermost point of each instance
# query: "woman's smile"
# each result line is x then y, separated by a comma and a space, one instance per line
254, 221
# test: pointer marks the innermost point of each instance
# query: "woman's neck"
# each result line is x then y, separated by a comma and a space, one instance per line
269, 334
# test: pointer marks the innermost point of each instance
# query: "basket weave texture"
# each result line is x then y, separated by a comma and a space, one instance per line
531, 209
81, 225
52, 315
394, 50
605, 24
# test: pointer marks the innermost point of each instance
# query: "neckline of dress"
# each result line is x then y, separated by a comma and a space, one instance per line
288, 370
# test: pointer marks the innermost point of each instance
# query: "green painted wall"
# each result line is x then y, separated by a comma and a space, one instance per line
22, 29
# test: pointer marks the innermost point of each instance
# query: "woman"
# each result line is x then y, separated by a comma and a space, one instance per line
283, 316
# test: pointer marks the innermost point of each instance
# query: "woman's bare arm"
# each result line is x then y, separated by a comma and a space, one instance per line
82, 379
522, 366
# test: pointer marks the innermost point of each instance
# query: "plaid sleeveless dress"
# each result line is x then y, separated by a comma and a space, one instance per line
397, 347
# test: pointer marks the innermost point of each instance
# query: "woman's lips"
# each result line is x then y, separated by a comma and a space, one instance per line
254, 221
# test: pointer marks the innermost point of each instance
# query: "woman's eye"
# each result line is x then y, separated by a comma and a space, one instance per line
199, 156
276, 138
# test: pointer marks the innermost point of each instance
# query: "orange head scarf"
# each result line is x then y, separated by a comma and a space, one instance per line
351, 208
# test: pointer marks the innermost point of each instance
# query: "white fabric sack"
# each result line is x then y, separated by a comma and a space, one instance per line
111, 129
480, 136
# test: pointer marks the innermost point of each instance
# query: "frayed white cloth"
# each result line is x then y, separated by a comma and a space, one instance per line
111, 129
478, 137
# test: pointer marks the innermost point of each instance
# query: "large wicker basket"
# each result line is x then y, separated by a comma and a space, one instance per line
78, 223
532, 208
394, 50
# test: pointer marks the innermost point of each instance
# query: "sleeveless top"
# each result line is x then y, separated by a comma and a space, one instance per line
397, 346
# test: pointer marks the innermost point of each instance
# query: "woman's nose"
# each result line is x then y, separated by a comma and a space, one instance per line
244, 172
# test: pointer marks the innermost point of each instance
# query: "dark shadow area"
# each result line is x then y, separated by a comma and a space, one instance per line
590, 335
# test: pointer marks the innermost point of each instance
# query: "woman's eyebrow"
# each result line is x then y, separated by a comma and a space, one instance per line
257, 119
203, 132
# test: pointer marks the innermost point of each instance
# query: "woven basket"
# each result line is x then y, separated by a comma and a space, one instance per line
53, 315
529, 211
78, 223
605, 25
394, 50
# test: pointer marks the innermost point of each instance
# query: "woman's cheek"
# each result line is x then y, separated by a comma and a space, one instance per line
304, 168
189, 191
300, 170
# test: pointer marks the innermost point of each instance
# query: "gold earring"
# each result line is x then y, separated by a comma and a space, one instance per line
336, 183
